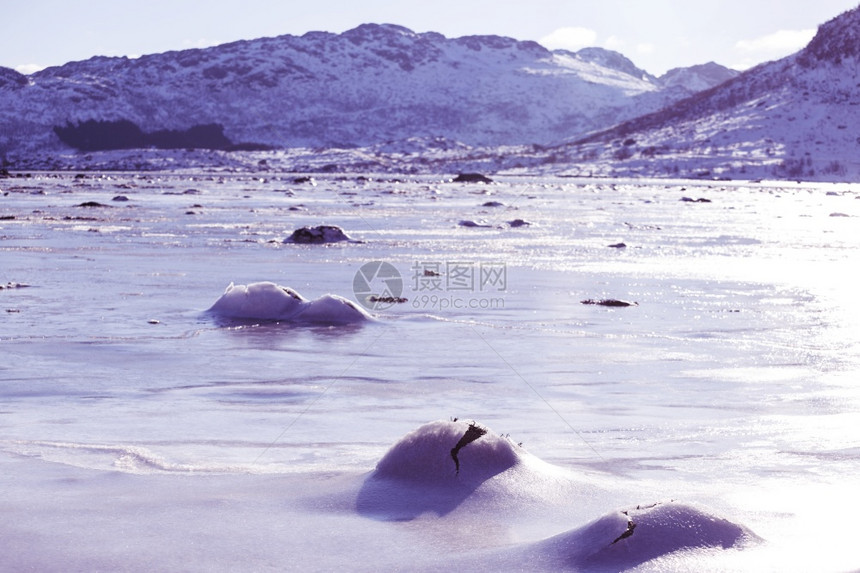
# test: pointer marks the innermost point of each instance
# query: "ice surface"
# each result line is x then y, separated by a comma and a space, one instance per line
139, 433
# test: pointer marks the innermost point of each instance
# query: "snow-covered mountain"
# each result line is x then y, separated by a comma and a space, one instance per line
798, 118
366, 86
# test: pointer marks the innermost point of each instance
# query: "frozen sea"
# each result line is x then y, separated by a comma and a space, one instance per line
138, 432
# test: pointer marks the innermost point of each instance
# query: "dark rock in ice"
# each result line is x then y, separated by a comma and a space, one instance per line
839, 215
518, 223
691, 200
618, 246
471, 223
120, 198
609, 302
388, 299
7, 217
319, 234
472, 178
631, 525
92, 204
305, 179
645, 227
11, 285
493, 204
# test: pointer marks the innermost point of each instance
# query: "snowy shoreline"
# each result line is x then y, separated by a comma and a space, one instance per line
523, 161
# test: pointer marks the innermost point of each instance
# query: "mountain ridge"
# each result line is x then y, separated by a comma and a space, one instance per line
797, 117
375, 83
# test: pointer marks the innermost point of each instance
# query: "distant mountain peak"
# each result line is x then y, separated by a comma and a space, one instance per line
372, 32
613, 60
698, 77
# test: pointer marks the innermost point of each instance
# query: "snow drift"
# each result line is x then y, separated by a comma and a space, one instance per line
447, 466
269, 301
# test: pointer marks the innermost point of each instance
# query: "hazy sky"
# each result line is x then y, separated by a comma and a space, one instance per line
655, 34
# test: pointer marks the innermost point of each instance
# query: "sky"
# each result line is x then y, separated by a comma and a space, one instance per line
656, 34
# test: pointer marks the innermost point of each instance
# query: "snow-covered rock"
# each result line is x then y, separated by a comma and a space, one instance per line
445, 452
319, 234
439, 466
269, 301
447, 466
626, 538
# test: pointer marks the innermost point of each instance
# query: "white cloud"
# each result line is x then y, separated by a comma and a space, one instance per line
28, 69
569, 39
771, 47
779, 43
614, 43
188, 43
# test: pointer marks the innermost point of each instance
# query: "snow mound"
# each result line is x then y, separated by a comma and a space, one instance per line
332, 309
434, 469
442, 451
269, 301
626, 538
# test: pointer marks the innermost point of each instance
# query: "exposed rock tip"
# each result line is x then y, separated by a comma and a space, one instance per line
609, 302
473, 432
319, 234
472, 178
